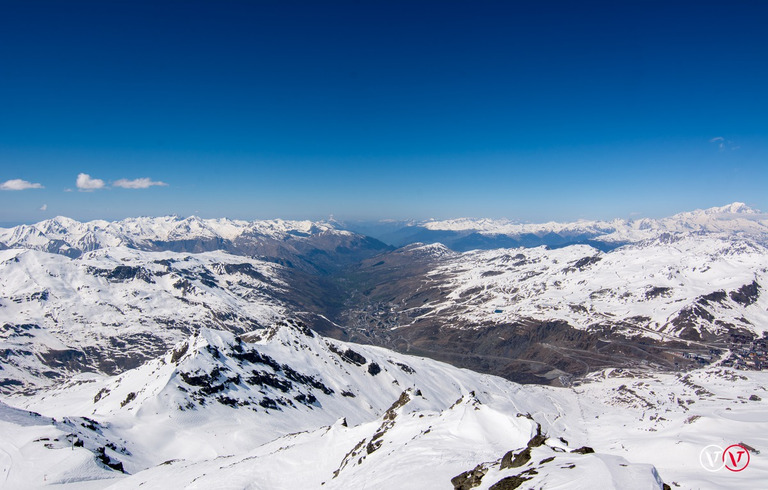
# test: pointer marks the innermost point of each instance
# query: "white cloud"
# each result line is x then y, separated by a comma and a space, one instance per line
86, 183
44, 207
141, 183
716, 139
18, 185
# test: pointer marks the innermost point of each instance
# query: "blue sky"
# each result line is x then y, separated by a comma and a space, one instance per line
363, 109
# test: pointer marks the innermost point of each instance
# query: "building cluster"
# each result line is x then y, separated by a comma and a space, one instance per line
702, 358
752, 355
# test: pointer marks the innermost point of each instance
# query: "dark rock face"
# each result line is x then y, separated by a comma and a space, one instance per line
539, 439
71, 359
509, 483
245, 269
10, 383
349, 356
583, 450
655, 292
107, 461
469, 479
689, 318
208, 383
746, 294
10, 330
374, 369
128, 399
515, 460
179, 353
264, 378
585, 262
126, 273
305, 380
406, 368
714, 297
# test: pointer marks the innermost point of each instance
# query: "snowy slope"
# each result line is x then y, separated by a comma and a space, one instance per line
197, 418
114, 308
280, 380
677, 285
29, 439
415, 423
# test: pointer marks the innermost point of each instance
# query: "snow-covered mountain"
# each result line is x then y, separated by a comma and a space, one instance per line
285, 408
736, 219
114, 308
304, 244
142, 232
665, 301
540, 310
171, 353
681, 286
193, 234
732, 218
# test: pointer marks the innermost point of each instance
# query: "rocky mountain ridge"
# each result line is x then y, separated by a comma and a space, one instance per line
316, 247
286, 408
278, 394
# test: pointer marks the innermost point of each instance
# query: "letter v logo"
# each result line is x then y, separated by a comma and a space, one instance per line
711, 459
737, 457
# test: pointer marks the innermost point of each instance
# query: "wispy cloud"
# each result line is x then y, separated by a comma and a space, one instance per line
719, 141
86, 183
44, 207
724, 144
19, 185
141, 183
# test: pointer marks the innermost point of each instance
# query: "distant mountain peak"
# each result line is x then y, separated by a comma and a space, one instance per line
430, 249
739, 208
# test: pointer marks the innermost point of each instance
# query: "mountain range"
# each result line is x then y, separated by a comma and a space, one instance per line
471, 234
185, 352
74, 293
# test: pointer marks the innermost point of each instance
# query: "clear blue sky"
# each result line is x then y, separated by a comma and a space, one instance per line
526, 110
